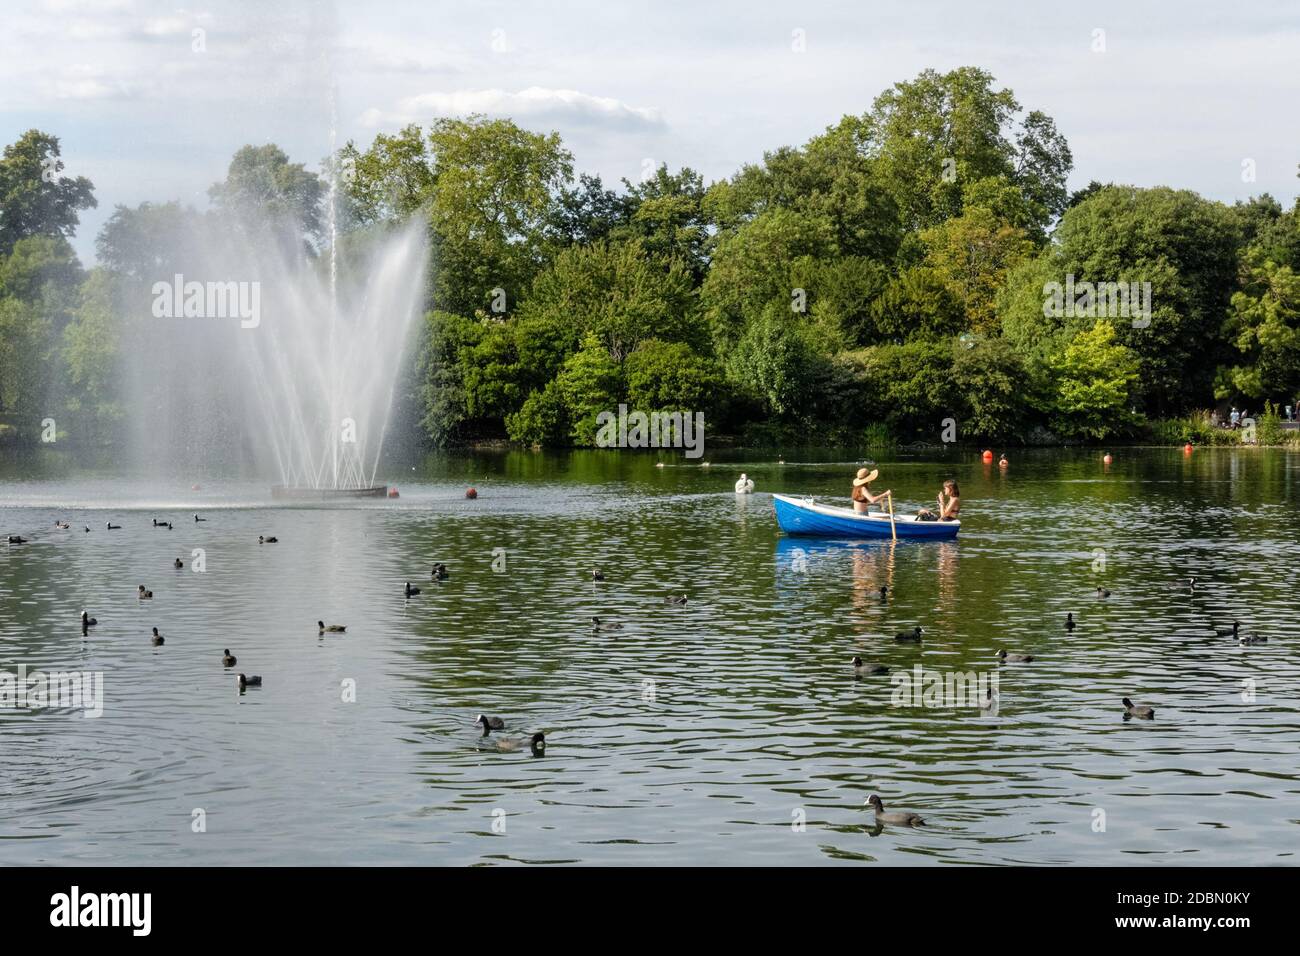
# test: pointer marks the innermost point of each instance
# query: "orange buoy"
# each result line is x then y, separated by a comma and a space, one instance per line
471, 493
392, 493
988, 455
1187, 449
1107, 459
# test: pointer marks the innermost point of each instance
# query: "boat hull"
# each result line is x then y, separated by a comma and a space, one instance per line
803, 517
326, 494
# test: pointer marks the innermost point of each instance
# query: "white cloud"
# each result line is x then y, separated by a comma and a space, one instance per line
82, 81
533, 103
166, 26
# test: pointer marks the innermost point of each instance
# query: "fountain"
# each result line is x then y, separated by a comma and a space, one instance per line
297, 383
299, 392
326, 392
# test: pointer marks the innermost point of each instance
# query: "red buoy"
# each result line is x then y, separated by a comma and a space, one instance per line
988, 455
1187, 449
471, 493
392, 493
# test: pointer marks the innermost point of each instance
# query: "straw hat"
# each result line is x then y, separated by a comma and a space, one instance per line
864, 477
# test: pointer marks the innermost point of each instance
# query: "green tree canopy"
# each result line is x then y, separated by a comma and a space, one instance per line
493, 191
932, 135
1264, 326
1186, 247
263, 189
36, 199
1094, 379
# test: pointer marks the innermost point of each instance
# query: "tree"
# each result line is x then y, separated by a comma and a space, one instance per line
44, 271
587, 213
971, 254
911, 385
776, 362
442, 371
761, 264
666, 213
1180, 247
590, 383
1094, 380
24, 354
390, 181
670, 376
90, 352
919, 302
991, 382
830, 179
1264, 327
543, 419
939, 131
35, 198
617, 292
150, 242
262, 188
493, 191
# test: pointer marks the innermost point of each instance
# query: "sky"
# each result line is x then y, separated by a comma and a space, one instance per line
150, 99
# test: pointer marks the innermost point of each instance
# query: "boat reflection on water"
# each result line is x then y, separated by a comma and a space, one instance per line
871, 565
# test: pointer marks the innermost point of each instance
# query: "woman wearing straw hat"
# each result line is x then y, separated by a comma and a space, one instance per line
861, 495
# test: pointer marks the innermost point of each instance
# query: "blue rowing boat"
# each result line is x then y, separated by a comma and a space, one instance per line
803, 516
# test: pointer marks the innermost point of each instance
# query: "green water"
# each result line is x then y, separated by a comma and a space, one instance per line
728, 730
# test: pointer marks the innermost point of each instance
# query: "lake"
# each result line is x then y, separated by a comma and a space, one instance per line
728, 730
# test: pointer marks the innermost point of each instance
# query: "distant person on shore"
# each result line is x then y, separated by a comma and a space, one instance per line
1233, 418
861, 494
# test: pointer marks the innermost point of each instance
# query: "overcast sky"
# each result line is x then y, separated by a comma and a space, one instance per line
1182, 94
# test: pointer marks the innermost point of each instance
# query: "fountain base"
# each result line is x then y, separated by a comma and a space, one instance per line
326, 494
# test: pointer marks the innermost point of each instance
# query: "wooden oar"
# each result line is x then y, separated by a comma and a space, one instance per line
892, 529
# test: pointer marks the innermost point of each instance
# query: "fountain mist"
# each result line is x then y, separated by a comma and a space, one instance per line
304, 394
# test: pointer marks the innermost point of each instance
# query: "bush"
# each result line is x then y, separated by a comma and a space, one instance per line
589, 384
911, 387
992, 383
543, 419
1195, 427
877, 435
669, 376
776, 360
1268, 430
1094, 380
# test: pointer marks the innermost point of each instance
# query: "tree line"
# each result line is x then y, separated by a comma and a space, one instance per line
892, 277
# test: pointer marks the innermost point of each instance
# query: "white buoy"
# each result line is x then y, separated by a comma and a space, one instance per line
745, 485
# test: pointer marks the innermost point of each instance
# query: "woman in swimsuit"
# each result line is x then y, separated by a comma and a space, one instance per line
861, 494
